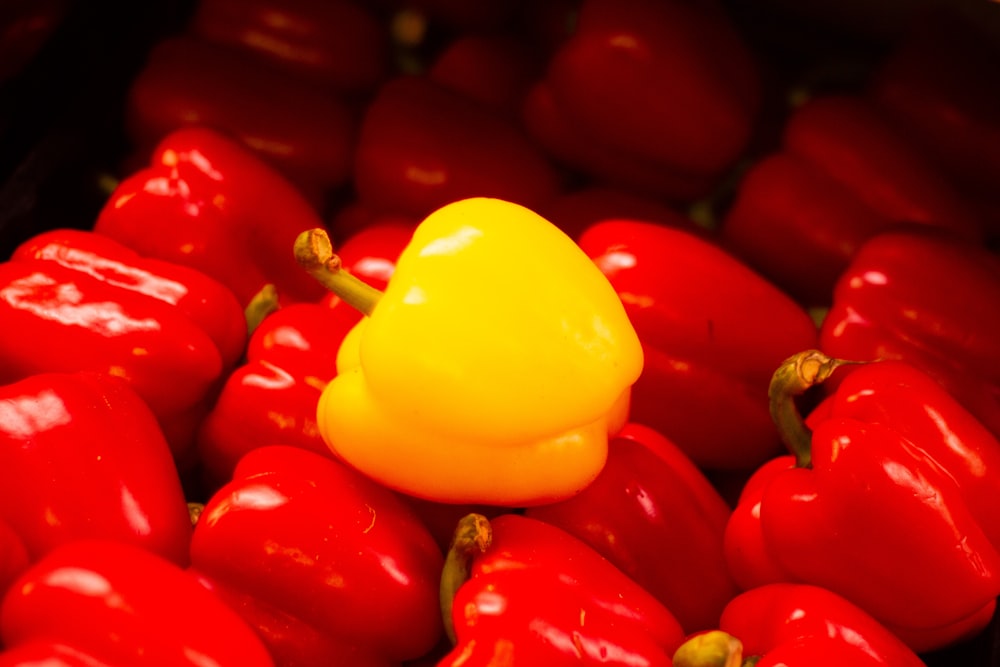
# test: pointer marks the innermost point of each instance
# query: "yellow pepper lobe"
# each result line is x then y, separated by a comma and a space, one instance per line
492, 368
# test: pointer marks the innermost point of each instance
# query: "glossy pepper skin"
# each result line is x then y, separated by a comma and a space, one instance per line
82, 456
200, 297
712, 332
421, 145
272, 397
107, 602
650, 95
797, 625
844, 172
340, 44
656, 516
304, 131
857, 480
907, 399
530, 593
291, 355
921, 296
328, 566
48, 653
65, 316
14, 558
207, 202
518, 365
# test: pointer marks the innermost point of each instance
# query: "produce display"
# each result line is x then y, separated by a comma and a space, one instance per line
428, 333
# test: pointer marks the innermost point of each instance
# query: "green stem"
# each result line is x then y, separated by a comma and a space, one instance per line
314, 253
261, 305
794, 376
473, 535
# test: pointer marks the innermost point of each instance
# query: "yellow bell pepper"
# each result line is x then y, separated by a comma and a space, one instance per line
491, 370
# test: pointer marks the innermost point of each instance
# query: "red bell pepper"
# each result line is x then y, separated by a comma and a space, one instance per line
341, 44
50, 654
907, 399
831, 131
82, 456
353, 217
872, 506
98, 307
712, 331
208, 202
936, 84
923, 297
602, 165
843, 173
304, 131
573, 211
371, 251
497, 69
656, 516
200, 297
422, 145
652, 95
103, 602
291, 356
518, 590
327, 565
795, 625
272, 397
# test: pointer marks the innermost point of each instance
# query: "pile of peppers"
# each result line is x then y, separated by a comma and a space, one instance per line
427, 333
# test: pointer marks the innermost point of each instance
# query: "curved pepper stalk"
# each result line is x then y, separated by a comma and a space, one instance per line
517, 590
868, 476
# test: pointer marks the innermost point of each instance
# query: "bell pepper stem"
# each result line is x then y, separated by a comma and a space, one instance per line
473, 535
793, 378
314, 253
261, 305
194, 511
713, 648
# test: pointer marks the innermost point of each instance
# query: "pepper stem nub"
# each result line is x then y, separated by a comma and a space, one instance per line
314, 253
712, 648
473, 535
793, 377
